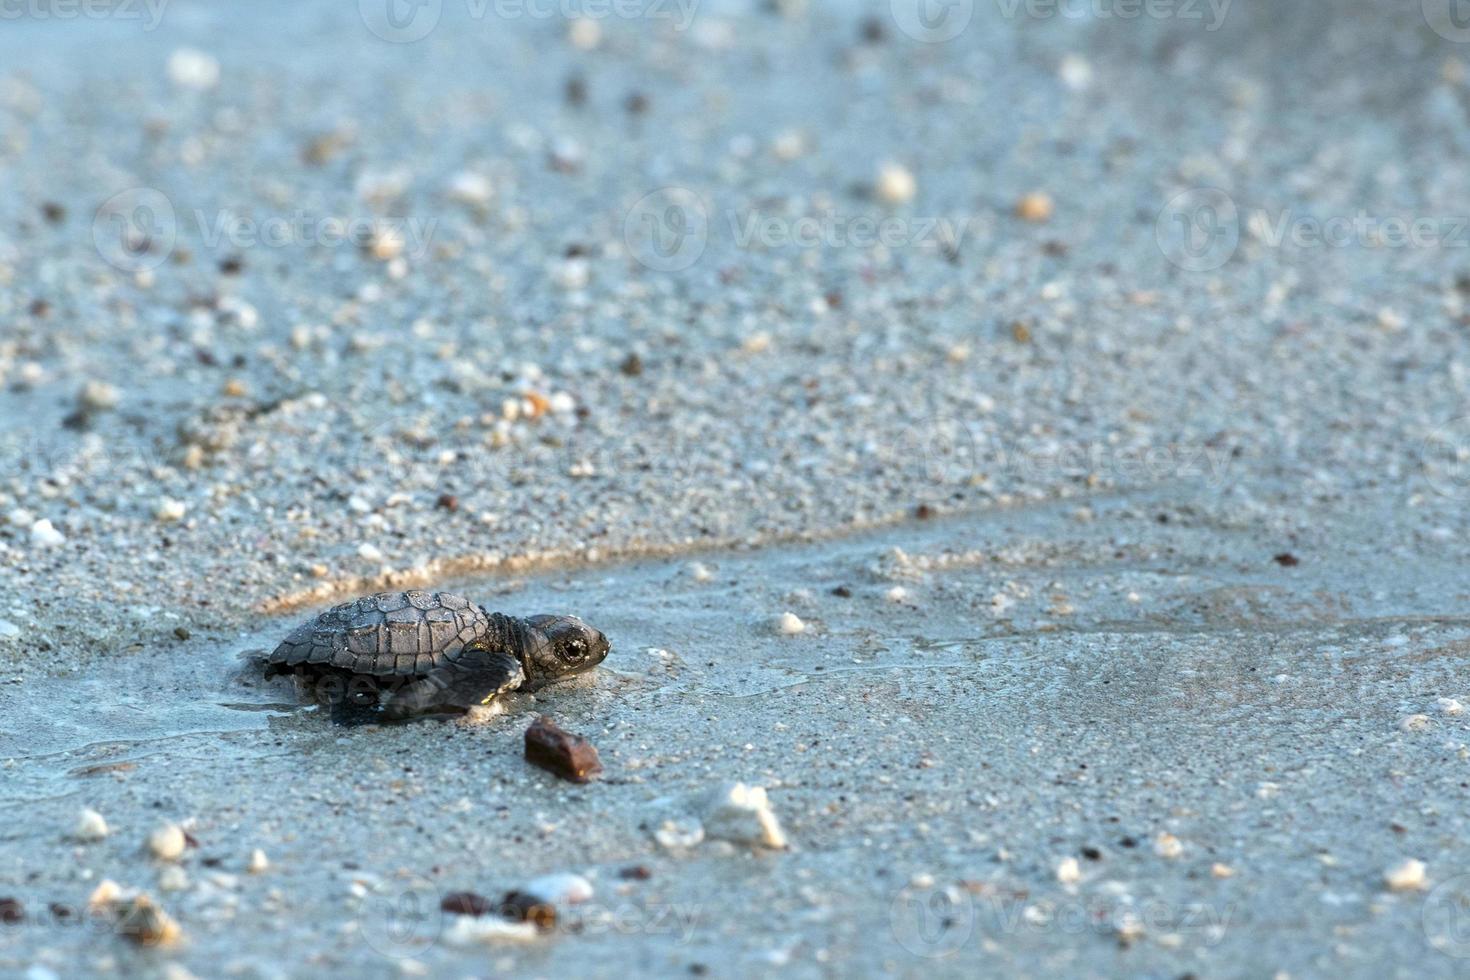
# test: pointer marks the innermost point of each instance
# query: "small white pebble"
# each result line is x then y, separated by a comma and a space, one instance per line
259, 863
90, 826
699, 571
1415, 723
560, 888
1220, 870
469, 187
790, 624
192, 69
898, 594
1166, 845
20, 517
584, 33
1075, 72
679, 833
1449, 706
1406, 876
44, 534
369, 551
742, 814
169, 510
168, 842
172, 879
896, 185
98, 396
1069, 872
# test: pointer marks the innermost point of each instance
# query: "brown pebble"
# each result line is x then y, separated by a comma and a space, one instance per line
923, 512
568, 756
636, 103
182, 632
637, 872
842, 592
466, 903
53, 212
447, 501
39, 308
1021, 332
146, 924
1035, 206
576, 90
1287, 560
11, 911
520, 907
873, 31
232, 265
632, 365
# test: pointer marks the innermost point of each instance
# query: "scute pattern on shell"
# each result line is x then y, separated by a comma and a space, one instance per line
401, 634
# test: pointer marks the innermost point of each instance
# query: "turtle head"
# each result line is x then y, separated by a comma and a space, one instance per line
560, 646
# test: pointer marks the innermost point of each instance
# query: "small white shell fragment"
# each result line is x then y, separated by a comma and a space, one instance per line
486, 930
584, 33
1166, 845
193, 69
44, 534
896, 185
1069, 872
1408, 875
259, 863
469, 187
169, 510
679, 833
98, 396
1449, 706
167, 843
369, 552
742, 814
107, 893
699, 571
1415, 723
1220, 870
790, 624
172, 879
559, 888
898, 594
90, 826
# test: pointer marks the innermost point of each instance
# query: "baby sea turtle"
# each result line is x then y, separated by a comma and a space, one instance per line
394, 655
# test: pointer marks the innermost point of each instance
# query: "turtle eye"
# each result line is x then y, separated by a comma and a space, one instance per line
577, 649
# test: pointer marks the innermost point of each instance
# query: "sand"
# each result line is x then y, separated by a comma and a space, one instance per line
1145, 509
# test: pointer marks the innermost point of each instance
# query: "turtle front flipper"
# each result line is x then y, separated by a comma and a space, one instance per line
468, 677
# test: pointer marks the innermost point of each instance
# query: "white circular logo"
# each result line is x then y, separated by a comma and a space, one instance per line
401, 920
1446, 459
944, 446
1450, 19
932, 21
932, 922
1198, 230
400, 21
667, 230
135, 230
1446, 917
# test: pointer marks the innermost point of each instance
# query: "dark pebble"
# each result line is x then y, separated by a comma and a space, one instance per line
560, 752
520, 907
842, 592
466, 903
1287, 560
182, 632
447, 501
632, 365
637, 872
11, 911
